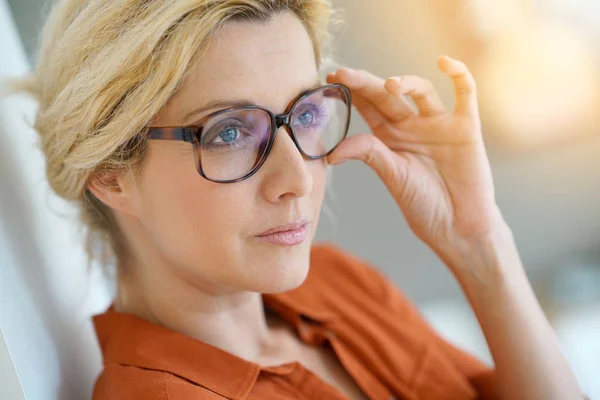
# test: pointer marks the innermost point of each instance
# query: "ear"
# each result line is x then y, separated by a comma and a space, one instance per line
115, 190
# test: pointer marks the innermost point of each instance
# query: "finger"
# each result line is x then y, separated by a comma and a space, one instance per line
372, 88
372, 116
373, 152
464, 85
420, 90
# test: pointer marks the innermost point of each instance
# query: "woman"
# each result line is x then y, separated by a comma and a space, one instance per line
195, 135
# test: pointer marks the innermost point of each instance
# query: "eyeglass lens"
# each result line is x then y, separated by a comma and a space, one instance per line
233, 143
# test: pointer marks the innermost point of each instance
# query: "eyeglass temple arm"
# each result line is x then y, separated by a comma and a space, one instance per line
176, 133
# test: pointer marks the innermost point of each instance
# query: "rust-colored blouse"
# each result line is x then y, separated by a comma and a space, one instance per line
375, 332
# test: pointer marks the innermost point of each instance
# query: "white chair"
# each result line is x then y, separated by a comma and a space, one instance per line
48, 349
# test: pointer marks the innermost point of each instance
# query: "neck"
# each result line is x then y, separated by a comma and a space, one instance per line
235, 322
155, 289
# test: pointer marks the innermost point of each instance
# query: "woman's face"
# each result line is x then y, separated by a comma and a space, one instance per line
206, 231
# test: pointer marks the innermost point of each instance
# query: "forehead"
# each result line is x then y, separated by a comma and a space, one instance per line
269, 63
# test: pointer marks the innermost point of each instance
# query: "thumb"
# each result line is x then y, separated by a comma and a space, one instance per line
373, 152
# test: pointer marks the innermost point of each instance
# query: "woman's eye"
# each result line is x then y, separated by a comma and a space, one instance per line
306, 118
229, 135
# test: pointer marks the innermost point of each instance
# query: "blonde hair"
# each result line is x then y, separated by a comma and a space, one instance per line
105, 68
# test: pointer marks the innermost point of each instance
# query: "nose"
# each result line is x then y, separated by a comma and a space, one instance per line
287, 174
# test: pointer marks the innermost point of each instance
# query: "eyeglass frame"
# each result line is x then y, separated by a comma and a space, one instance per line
192, 133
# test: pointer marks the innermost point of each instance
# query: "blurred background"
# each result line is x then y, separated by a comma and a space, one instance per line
537, 65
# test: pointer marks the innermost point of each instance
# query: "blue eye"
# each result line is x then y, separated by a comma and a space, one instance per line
306, 118
229, 135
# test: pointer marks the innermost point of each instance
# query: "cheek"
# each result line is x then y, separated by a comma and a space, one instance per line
187, 215
320, 172
201, 228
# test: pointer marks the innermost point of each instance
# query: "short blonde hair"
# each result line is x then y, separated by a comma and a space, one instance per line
106, 67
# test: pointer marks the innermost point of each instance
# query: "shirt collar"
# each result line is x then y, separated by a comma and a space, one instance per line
130, 340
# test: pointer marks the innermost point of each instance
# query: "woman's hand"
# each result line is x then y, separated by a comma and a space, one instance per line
435, 165
433, 161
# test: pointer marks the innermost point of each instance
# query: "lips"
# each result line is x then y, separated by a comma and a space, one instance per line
286, 235
285, 228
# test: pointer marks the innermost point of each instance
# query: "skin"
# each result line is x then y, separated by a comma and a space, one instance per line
194, 266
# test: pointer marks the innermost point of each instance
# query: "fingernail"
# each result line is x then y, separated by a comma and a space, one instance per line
397, 79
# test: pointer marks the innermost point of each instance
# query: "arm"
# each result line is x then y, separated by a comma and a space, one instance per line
529, 363
434, 164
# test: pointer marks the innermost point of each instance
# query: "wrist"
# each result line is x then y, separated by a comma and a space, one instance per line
483, 259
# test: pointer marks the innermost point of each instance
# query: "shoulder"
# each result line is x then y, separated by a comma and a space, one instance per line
338, 271
124, 382
129, 382
332, 265
354, 289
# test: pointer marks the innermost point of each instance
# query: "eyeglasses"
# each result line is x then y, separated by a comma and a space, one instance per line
230, 145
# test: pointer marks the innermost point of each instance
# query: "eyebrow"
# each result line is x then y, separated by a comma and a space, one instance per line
240, 102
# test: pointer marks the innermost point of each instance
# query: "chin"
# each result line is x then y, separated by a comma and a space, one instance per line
283, 269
